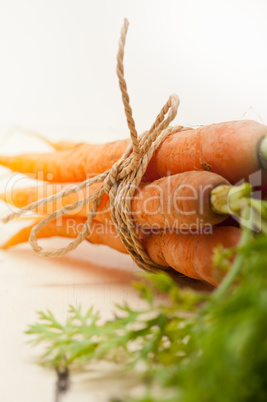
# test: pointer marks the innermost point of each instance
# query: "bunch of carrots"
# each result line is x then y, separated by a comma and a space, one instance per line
188, 181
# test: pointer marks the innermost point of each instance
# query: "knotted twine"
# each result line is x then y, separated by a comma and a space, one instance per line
119, 183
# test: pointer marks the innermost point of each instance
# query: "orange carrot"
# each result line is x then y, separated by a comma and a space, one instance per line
72, 165
170, 202
191, 254
70, 227
22, 197
232, 149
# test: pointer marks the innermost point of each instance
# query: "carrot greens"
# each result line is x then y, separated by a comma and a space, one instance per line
185, 345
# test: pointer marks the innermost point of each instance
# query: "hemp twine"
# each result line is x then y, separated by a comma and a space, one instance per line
120, 182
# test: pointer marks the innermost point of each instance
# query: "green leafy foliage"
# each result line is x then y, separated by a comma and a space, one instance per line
191, 346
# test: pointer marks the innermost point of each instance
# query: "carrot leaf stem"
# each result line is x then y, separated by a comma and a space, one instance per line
238, 262
229, 199
263, 152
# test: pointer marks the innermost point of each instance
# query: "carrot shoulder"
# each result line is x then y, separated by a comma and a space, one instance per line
230, 149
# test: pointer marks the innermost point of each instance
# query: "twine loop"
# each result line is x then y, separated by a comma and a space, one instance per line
120, 182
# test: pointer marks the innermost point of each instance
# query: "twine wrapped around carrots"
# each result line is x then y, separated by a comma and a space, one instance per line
120, 182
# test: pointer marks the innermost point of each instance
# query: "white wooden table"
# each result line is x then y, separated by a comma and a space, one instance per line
88, 276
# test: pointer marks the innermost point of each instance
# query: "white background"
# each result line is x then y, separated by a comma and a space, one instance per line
58, 59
